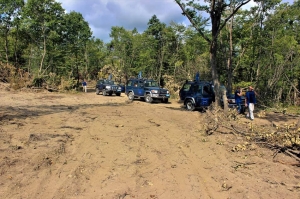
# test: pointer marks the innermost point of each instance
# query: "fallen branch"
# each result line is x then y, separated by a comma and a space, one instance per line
282, 149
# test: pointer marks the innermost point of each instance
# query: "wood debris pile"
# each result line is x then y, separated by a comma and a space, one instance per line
279, 138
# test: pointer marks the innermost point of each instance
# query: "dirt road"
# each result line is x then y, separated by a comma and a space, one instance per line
87, 146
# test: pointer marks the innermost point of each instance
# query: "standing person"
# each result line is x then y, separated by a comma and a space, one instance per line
250, 100
84, 86
238, 98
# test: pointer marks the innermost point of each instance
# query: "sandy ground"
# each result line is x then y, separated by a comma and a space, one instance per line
85, 145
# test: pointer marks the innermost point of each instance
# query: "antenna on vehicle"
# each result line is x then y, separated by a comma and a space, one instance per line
140, 75
197, 77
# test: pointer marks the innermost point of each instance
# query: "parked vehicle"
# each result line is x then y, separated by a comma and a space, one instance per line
146, 89
200, 94
107, 87
196, 94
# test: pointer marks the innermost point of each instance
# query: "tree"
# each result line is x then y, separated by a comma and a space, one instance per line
156, 31
10, 14
215, 9
42, 17
97, 53
122, 50
76, 34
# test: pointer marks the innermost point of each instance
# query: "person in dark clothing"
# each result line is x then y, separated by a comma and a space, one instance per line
84, 86
250, 101
238, 99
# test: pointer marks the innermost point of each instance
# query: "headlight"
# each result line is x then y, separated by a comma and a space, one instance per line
168, 92
107, 87
119, 88
154, 91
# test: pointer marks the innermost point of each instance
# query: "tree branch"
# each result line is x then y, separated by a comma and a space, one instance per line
184, 12
291, 83
233, 13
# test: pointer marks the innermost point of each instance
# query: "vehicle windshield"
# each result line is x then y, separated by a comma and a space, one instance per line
151, 84
109, 82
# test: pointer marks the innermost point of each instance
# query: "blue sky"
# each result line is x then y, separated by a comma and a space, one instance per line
103, 14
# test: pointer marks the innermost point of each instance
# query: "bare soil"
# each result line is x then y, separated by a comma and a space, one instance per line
55, 145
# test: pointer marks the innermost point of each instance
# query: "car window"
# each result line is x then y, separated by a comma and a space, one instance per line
196, 88
151, 83
109, 82
186, 87
129, 83
207, 90
135, 83
141, 83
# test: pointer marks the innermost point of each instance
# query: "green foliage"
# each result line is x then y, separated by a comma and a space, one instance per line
243, 85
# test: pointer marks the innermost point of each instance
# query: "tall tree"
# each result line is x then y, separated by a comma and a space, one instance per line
76, 36
215, 9
9, 15
42, 17
122, 51
156, 30
97, 53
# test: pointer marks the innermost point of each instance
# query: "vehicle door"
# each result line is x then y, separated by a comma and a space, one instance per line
185, 91
128, 86
208, 94
138, 88
201, 96
135, 85
100, 85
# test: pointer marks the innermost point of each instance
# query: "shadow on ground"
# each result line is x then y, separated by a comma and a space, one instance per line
23, 112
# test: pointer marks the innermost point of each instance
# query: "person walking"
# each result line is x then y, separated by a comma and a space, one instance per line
238, 99
250, 100
84, 86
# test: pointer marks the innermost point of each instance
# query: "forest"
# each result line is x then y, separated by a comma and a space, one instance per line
43, 46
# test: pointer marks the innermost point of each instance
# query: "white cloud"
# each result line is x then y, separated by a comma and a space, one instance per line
103, 14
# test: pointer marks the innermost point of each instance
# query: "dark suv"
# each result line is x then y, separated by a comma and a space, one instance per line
196, 94
146, 89
107, 87
200, 94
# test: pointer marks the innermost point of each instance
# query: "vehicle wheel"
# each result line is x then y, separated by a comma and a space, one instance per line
110, 94
189, 105
118, 94
104, 92
148, 98
166, 100
130, 96
97, 91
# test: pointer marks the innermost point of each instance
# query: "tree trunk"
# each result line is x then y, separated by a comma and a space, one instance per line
77, 69
15, 47
160, 64
225, 101
6, 47
86, 61
229, 60
214, 72
44, 52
